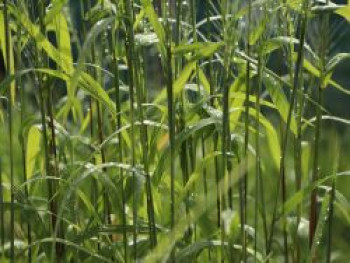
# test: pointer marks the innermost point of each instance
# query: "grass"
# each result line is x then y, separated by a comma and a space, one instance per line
173, 131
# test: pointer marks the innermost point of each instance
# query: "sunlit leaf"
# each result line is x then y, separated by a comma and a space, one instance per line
33, 149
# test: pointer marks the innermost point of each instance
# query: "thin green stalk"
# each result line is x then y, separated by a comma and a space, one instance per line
193, 12
183, 154
2, 217
129, 20
171, 120
106, 204
55, 173
217, 181
334, 154
259, 188
184, 163
115, 65
44, 131
215, 136
299, 100
10, 129
101, 125
263, 210
281, 16
225, 98
205, 174
94, 182
296, 88
145, 148
330, 221
210, 75
23, 147
192, 143
184, 159
171, 113
315, 172
298, 172
280, 128
230, 39
243, 205
212, 104
178, 34
43, 95
60, 250
96, 58
46, 151
221, 257
225, 140
298, 164
298, 113
257, 152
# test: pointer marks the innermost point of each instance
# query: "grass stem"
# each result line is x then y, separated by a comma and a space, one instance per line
130, 50
10, 129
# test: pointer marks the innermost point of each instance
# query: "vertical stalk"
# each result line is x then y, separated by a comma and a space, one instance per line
94, 183
2, 217
210, 71
129, 20
46, 151
215, 136
335, 151
297, 140
217, 181
96, 58
330, 220
100, 126
22, 141
145, 160
115, 65
185, 148
257, 151
171, 110
296, 87
225, 136
182, 121
171, 117
49, 144
193, 10
10, 129
55, 172
226, 140
178, 35
298, 162
211, 103
244, 183
106, 204
259, 188
316, 172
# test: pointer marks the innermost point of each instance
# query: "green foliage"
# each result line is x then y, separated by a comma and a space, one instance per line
168, 131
